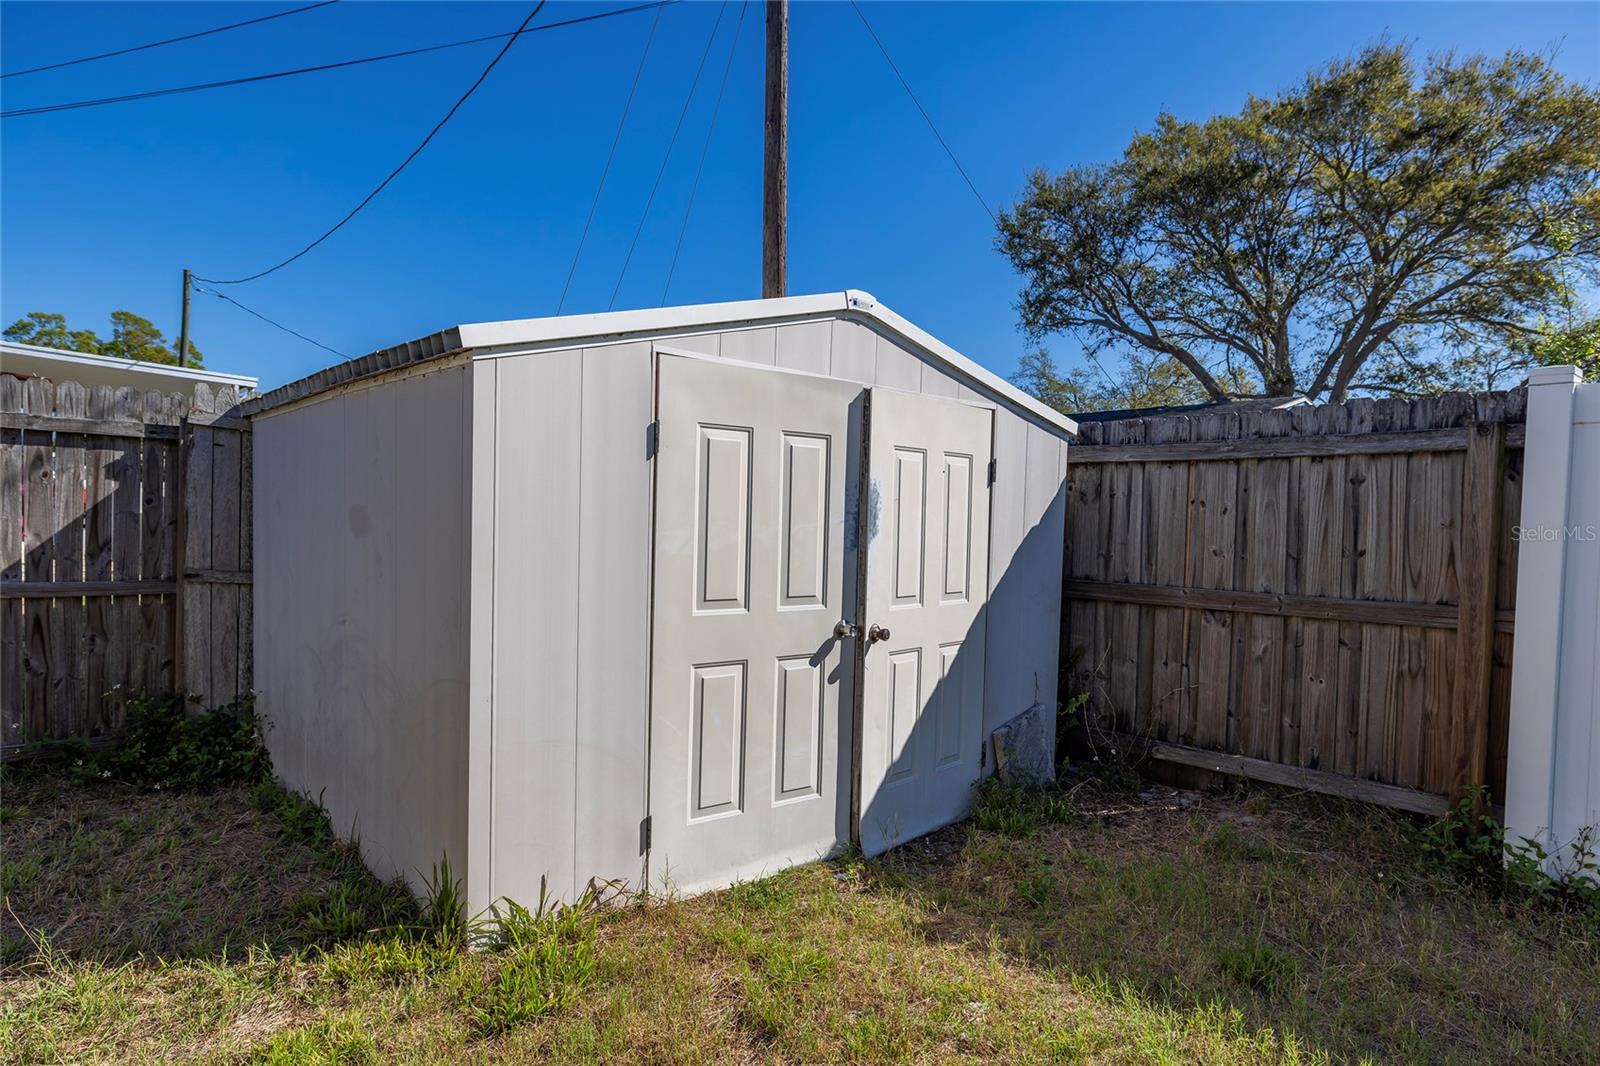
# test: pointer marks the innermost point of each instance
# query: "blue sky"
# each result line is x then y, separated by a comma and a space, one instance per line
102, 208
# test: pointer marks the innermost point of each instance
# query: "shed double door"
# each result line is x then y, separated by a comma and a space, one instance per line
762, 495
924, 626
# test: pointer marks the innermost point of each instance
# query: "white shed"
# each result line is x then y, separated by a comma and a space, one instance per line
585, 597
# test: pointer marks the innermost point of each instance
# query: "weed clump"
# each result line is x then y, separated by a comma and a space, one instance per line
548, 957
1259, 965
1470, 844
165, 746
1017, 810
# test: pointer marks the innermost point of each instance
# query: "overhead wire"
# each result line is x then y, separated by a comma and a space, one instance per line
403, 163
711, 128
611, 155
925, 116
169, 40
666, 156
150, 94
961, 169
268, 321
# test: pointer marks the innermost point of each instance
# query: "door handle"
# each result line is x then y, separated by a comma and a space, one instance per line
877, 633
844, 630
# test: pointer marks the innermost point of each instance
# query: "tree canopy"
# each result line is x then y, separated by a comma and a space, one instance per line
1378, 227
132, 337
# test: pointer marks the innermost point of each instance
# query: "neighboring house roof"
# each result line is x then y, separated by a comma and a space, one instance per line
30, 360
565, 331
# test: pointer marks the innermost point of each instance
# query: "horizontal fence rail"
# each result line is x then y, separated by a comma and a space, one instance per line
125, 562
1327, 591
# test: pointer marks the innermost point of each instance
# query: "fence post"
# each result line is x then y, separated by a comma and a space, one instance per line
1541, 566
1480, 541
180, 555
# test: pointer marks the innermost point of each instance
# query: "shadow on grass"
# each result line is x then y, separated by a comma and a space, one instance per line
102, 871
1315, 919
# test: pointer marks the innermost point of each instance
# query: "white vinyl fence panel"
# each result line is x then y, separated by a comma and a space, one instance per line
1553, 766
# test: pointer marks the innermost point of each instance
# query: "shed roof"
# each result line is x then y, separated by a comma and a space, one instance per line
619, 325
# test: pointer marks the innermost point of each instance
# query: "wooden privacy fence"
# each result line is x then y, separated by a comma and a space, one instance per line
1319, 596
126, 552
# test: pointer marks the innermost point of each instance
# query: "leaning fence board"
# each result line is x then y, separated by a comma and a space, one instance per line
1298, 593
92, 515
1297, 777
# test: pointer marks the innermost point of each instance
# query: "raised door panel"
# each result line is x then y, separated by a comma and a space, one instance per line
749, 685
922, 693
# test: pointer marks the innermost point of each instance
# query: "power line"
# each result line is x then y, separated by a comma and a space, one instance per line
268, 321
705, 149
169, 40
403, 163
73, 105
925, 116
667, 156
611, 155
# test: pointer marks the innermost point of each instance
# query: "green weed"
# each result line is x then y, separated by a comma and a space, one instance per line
1019, 811
1259, 965
163, 746
549, 958
444, 907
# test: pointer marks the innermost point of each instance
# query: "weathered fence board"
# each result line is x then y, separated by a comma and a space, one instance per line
1323, 588
94, 513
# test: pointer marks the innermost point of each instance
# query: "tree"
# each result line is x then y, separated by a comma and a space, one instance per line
1140, 381
132, 337
1493, 366
1374, 210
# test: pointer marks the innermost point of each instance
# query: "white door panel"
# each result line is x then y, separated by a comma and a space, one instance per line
927, 579
750, 688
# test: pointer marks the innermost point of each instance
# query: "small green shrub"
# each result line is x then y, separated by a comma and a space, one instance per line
164, 746
1470, 844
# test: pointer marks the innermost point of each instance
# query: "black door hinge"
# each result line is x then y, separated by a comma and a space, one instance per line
644, 834
994, 466
652, 446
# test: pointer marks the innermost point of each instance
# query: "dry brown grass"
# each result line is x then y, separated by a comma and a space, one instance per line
1255, 929
110, 872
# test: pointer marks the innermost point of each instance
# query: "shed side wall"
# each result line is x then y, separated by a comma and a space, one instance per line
361, 612
563, 683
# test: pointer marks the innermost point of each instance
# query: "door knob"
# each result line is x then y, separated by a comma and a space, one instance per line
844, 630
877, 633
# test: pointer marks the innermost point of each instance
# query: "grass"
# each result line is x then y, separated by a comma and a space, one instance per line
1254, 928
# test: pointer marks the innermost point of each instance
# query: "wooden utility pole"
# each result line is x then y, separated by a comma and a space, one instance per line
775, 184
183, 329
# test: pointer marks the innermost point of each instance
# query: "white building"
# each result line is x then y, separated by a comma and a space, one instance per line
674, 596
28, 360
